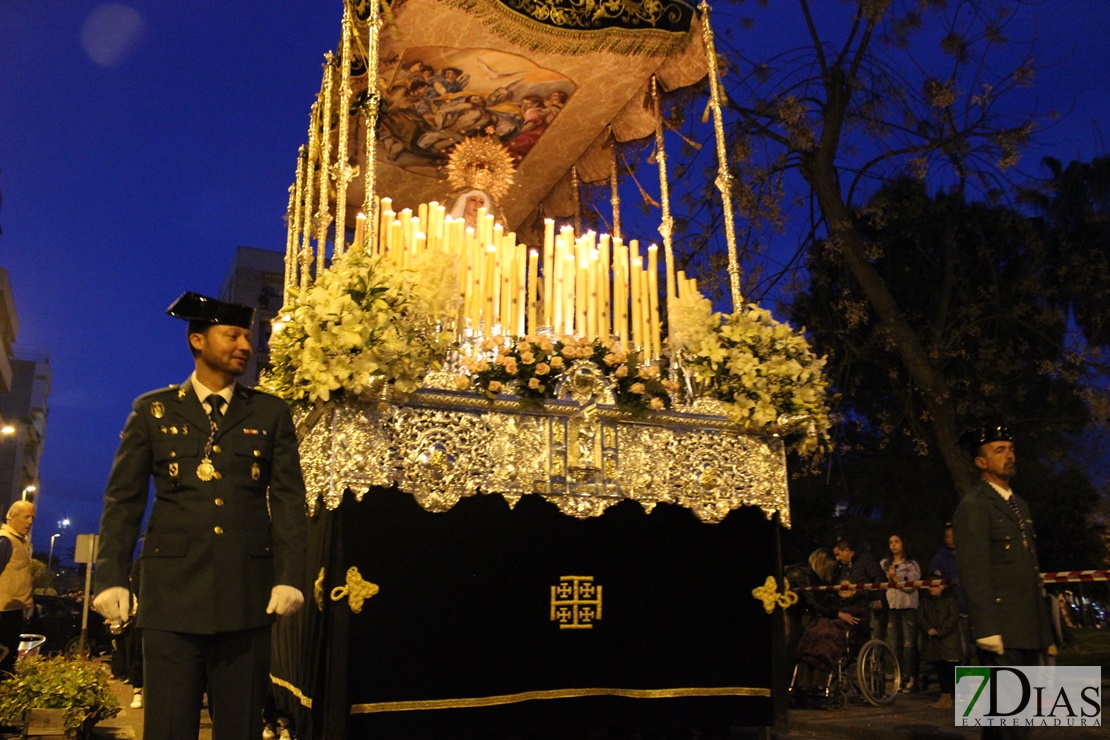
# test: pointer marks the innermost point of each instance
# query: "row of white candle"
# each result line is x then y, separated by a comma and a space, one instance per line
591, 286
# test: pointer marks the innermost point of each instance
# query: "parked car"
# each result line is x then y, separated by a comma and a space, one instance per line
58, 619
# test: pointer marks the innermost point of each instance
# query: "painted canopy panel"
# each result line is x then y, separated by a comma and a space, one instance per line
540, 75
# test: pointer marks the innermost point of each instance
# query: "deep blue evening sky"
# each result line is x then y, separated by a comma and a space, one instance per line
142, 141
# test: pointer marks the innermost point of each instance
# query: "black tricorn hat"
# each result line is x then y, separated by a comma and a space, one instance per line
972, 439
204, 310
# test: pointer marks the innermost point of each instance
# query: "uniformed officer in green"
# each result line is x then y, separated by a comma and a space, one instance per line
996, 552
224, 550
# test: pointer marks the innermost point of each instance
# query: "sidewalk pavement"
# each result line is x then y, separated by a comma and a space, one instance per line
909, 717
128, 724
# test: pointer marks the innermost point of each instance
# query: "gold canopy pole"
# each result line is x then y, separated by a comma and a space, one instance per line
342, 168
370, 204
313, 151
666, 226
724, 176
577, 201
298, 217
290, 239
615, 196
323, 216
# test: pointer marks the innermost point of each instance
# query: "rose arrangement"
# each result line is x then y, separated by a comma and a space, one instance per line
761, 369
532, 367
359, 322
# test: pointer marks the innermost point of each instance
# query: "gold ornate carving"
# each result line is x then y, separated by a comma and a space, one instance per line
441, 446
357, 590
576, 603
769, 595
318, 590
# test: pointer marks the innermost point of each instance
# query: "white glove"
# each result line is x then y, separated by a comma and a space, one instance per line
284, 600
114, 604
993, 643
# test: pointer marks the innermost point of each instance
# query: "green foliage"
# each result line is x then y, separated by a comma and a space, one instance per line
76, 685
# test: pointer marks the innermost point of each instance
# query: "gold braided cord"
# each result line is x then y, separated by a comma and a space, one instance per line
306, 701
577, 199
492, 701
614, 182
724, 175
343, 173
768, 593
521, 30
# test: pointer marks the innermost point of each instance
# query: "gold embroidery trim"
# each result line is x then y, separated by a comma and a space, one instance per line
489, 701
318, 591
769, 595
304, 700
357, 590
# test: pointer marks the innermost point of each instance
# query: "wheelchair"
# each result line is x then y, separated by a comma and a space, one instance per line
868, 670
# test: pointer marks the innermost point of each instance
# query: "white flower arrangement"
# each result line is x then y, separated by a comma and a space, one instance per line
362, 321
761, 369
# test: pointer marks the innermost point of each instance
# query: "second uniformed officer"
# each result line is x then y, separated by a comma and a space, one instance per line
225, 546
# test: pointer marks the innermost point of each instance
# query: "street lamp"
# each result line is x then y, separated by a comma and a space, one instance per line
29, 489
7, 429
50, 558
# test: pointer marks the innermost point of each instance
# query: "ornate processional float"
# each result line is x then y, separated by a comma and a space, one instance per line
515, 429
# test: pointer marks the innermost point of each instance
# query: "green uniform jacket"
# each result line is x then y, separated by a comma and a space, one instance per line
213, 549
1000, 577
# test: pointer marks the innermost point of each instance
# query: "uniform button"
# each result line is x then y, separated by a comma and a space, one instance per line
1007, 546
257, 453
219, 502
218, 530
173, 454
998, 600
216, 448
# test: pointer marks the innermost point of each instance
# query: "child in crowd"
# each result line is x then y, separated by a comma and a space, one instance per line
939, 620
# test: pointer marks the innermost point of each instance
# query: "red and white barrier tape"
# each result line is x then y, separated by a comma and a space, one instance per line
1063, 576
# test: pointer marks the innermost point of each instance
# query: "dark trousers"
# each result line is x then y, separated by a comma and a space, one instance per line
233, 667
11, 627
1009, 658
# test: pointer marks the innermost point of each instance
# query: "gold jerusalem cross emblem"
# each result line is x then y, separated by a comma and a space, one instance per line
576, 603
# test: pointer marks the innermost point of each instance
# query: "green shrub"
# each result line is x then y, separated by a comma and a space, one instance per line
77, 685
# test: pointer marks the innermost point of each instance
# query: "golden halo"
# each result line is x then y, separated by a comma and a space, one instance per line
481, 163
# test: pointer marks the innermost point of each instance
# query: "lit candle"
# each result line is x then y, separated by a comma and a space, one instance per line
605, 298
650, 340
680, 287
593, 308
653, 298
548, 272
360, 228
490, 294
570, 283
582, 290
533, 287
653, 305
634, 281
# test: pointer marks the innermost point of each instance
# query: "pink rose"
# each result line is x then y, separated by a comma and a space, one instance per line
622, 372
533, 383
610, 359
543, 368
462, 382
494, 386
636, 388
656, 404
527, 358
670, 386
557, 362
